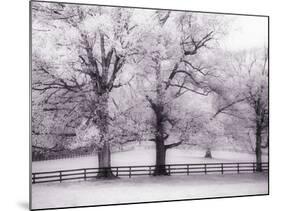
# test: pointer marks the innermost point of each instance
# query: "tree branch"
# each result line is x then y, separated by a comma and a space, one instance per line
168, 146
198, 44
190, 89
228, 106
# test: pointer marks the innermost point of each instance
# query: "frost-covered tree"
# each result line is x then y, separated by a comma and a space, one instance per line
78, 55
244, 95
177, 61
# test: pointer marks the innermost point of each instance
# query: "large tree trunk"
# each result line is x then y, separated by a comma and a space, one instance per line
104, 155
259, 120
102, 85
208, 153
104, 158
158, 108
258, 150
160, 168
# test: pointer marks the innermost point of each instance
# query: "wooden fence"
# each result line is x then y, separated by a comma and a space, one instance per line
130, 171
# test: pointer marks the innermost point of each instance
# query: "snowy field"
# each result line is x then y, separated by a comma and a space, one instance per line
146, 188
142, 156
125, 190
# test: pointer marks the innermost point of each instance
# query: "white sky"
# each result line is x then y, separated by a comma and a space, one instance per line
246, 32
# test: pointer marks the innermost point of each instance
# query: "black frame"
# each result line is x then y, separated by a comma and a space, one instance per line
146, 8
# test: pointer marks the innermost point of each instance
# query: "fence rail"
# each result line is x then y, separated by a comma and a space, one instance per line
130, 171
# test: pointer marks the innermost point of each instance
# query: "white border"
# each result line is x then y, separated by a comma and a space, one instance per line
14, 104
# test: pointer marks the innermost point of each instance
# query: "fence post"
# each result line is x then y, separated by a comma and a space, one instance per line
60, 177
117, 171
85, 177
130, 173
149, 170
187, 169
254, 167
205, 168
221, 168
33, 178
238, 168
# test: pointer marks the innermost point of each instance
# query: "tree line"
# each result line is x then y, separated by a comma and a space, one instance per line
107, 76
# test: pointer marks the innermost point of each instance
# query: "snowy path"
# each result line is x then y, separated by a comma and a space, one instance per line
144, 157
97, 192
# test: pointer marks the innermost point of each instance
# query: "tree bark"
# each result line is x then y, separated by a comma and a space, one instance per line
259, 121
208, 153
104, 161
160, 168
158, 108
258, 150
104, 155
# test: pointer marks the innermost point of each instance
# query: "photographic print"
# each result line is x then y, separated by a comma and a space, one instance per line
136, 105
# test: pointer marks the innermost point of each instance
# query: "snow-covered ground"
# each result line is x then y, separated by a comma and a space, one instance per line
125, 190
141, 156
140, 189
